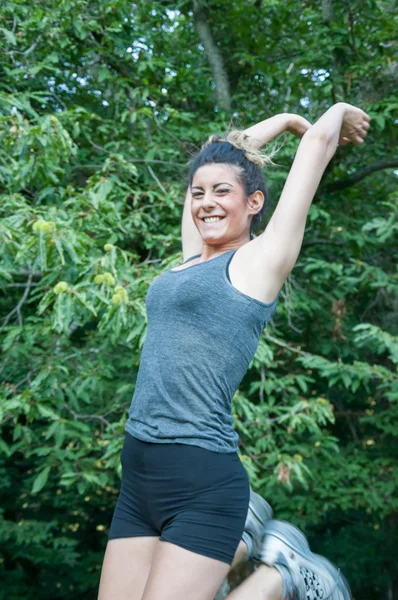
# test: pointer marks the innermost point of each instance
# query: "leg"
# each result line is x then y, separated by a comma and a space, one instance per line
258, 513
126, 566
303, 574
179, 574
132, 539
240, 555
201, 519
264, 584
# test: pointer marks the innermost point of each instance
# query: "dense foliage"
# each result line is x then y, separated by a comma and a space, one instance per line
101, 105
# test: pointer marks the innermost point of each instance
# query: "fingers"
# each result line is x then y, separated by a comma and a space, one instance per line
363, 132
361, 129
364, 115
367, 117
356, 136
365, 124
359, 136
355, 126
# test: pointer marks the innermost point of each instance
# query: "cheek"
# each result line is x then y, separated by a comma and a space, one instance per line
194, 206
237, 208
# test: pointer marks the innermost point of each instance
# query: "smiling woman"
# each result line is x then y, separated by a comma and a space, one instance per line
185, 504
222, 203
244, 175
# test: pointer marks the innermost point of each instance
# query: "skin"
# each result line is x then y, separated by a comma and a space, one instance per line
340, 125
145, 568
216, 190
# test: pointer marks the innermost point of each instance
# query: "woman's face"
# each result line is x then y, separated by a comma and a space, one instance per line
216, 191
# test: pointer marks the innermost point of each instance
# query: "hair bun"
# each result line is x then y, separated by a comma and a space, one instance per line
213, 139
240, 140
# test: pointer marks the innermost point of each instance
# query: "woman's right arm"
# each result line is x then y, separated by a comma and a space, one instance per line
265, 131
190, 237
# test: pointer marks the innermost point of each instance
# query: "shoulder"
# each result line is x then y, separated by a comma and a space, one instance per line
250, 272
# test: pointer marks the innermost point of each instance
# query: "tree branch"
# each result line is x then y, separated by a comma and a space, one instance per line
156, 179
214, 57
287, 346
87, 417
17, 309
386, 163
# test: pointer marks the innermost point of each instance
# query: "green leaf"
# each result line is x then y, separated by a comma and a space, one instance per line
9, 36
40, 480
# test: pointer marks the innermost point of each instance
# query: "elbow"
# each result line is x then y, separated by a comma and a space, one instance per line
317, 134
320, 141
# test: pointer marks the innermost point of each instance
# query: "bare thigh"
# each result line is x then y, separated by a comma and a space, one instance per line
179, 574
126, 567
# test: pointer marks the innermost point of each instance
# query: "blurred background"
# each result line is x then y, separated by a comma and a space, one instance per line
102, 104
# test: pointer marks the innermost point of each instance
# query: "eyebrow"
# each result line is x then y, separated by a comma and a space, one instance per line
199, 187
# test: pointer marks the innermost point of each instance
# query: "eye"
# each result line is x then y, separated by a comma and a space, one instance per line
222, 191
196, 194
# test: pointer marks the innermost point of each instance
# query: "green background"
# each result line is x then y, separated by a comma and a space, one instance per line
101, 106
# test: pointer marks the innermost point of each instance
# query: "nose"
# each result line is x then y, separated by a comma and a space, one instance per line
208, 200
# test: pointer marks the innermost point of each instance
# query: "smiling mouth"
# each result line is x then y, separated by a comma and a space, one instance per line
212, 219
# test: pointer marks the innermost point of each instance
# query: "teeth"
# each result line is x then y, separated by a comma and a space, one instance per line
212, 219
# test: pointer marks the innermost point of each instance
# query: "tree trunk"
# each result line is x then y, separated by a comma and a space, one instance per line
214, 57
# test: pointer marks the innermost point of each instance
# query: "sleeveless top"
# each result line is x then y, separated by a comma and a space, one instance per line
202, 334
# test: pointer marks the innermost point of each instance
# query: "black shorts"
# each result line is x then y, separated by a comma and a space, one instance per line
192, 497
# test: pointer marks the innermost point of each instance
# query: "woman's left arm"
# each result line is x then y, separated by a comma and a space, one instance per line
281, 241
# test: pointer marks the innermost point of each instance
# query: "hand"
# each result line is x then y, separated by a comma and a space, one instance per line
297, 125
355, 125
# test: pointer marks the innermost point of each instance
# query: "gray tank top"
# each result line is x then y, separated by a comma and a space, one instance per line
202, 334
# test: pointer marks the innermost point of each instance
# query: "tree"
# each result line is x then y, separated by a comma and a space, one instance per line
101, 105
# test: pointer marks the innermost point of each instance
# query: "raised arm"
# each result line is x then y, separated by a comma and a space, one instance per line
190, 236
261, 134
282, 239
265, 131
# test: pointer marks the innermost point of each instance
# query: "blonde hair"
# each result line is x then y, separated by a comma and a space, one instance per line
240, 140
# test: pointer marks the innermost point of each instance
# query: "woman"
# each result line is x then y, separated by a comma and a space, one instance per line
185, 498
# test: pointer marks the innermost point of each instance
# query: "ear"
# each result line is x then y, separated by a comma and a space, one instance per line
255, 202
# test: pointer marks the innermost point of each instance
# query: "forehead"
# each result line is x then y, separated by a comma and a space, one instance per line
215, 173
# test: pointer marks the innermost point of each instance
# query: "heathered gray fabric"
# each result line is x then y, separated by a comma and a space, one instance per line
202, 334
